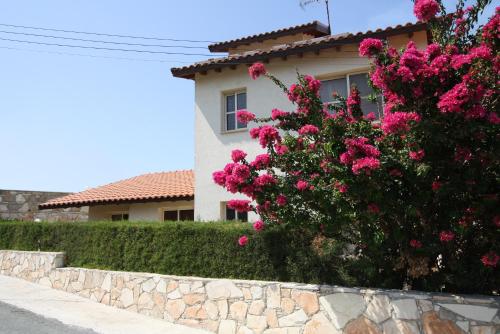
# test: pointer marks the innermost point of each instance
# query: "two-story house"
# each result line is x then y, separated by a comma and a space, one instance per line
222, 87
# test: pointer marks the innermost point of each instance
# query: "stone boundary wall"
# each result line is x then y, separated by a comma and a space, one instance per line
256, 307
23, 205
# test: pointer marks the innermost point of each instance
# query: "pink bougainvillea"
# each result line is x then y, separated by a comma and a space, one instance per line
244, 116
256, 70
425, 10
243, 240
370, 47
431, 162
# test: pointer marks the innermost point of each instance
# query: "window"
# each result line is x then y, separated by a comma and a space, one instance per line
176, 215
171, 215
186, 215
232, 214
342, 87
119, 217
234, 102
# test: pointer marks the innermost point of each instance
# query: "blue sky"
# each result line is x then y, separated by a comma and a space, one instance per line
71, 122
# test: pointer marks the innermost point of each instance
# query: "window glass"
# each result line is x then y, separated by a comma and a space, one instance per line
241, 101
230, 121
361, 82
243, 216
230, 214
170, 215
329, 86
119, 217
230, 103
186, 215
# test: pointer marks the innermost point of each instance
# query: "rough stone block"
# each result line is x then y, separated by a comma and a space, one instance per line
343, 307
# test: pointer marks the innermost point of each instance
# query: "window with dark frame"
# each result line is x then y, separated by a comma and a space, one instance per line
170, 215
186, 215
342, 87
119, 217
233, 103
232, 214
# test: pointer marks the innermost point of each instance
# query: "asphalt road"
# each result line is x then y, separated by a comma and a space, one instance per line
14, 320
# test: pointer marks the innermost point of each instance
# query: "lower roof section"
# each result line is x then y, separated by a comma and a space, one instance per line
153, 187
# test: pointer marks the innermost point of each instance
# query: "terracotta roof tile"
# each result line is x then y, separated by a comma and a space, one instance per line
312, 44
142, 188
314, 28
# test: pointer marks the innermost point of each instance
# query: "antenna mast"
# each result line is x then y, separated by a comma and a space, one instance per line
328, 16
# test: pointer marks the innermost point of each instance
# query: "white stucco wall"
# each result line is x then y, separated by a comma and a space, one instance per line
152, 211
213, 147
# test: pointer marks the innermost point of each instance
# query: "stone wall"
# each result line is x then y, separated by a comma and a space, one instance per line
255, 307
23, 205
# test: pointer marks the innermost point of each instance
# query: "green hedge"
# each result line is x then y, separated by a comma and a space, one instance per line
185, 248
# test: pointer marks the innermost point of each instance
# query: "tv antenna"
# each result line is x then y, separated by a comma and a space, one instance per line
304, 3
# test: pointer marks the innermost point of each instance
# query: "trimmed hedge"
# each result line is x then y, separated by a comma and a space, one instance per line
211, 250
181, 248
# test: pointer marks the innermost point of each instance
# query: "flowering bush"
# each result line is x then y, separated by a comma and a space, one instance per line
416, 194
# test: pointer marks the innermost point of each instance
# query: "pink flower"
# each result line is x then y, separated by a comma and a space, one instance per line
256, 70
258, 225
267, 135
277, 113
373, 208
244, 116
353, 101
243, 240
264, 180
241, 172
446, 236
496, 221
238, 155
281, 200
302, 185
254, 133
436, 185
370, 47
240, 205
425, 9
367, 164
312, 84
490, 259
308, 130
280, 149
415, 243
219, 177
397, 122
417, 156
370, 117
341, 187
261, 161
493, 118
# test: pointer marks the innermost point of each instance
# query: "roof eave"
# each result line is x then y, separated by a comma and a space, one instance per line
78, 204
189, 73
315, 28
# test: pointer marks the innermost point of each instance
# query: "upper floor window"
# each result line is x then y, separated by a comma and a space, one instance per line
234, 102
342, 86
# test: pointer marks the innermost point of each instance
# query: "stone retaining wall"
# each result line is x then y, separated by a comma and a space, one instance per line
246, 307
23, 205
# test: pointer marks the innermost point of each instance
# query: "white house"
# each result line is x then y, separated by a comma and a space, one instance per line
222, 86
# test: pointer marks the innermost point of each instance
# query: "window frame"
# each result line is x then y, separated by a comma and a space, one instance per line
347, 76
234, 93
178, 210
236, 214
122, 214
